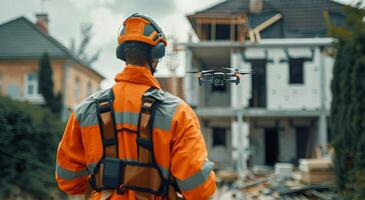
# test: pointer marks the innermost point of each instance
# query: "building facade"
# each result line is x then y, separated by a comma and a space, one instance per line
22, 44
279, 113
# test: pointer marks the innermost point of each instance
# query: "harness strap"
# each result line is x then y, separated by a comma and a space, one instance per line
145, 151
145, 148
108, 133
144, 177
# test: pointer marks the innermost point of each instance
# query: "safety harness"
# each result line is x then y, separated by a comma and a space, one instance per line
143, 176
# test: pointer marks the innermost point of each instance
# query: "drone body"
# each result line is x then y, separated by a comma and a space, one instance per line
218, 78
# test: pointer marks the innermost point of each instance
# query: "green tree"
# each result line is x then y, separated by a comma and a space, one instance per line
53, 102
29, 136
347, 108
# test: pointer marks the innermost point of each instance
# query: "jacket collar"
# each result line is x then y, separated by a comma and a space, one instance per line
137, 74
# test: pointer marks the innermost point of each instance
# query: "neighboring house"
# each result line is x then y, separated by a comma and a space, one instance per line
22, 43
174, 85
278, 114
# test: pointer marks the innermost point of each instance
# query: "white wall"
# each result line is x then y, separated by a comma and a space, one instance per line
281, 94
241, 93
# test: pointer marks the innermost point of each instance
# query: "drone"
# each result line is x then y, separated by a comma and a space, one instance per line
219, 78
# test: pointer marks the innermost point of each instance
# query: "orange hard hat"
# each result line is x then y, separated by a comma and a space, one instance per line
140, 28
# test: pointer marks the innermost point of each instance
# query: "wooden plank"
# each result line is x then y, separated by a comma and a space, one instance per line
268, 22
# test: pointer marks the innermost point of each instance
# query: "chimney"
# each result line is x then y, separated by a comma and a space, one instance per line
256, 6
42, 21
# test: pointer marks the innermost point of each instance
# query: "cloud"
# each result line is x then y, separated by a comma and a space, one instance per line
158, 8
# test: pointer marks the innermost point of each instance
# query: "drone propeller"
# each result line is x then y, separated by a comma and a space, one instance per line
238, 71
203, 72
245, 73
230, 69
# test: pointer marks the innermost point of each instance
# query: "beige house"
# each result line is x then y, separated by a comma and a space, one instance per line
22, 43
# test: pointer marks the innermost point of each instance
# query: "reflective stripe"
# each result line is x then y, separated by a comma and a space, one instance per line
68, 174
196, 179
161, 121
126, 118
89, 119
86, 112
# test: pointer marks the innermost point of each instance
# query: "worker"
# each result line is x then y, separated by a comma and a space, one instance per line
135, 141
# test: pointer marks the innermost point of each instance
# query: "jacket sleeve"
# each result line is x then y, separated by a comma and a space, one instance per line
189, 164
71, 171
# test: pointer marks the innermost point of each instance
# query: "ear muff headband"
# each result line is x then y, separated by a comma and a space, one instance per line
157, 51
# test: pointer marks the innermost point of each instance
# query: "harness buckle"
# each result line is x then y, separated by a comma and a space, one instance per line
121, 189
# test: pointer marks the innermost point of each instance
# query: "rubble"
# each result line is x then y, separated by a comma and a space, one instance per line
312, 179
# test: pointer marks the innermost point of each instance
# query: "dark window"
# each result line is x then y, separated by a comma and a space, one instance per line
296, 71
222, 88
206, 30
258, 84
223, 32
219, 136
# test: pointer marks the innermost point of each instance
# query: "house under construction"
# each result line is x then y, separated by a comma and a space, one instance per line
278, 114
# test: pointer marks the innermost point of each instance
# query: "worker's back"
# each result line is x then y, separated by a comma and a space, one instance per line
178, 146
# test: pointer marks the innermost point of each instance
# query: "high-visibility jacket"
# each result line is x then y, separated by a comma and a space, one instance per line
178, 144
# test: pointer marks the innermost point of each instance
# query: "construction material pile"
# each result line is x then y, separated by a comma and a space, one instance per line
311, 179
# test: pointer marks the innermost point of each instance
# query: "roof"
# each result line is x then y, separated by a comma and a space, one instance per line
301, 18
21, 39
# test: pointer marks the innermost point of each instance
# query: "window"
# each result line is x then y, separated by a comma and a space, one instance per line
77, 89
89, 88
222, 88
296, 71
219, 136
206, 30
31, 85
223, 32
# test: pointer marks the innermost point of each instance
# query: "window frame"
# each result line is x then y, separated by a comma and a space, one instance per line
36, 93
291, 77
220, 143
77, 89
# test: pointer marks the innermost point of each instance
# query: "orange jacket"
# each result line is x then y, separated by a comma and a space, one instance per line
179, 146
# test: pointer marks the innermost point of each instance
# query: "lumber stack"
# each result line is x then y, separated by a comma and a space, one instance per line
316, 171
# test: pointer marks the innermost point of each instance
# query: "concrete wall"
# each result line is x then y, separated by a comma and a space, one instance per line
287, 137
209, 98
220, 155
281, 94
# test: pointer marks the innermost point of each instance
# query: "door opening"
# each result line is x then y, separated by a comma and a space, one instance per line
302, 138
271, 146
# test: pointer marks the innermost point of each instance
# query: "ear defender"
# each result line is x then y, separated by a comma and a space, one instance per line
120, 52
158, 51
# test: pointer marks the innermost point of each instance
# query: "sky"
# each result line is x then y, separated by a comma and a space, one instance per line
66, 17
